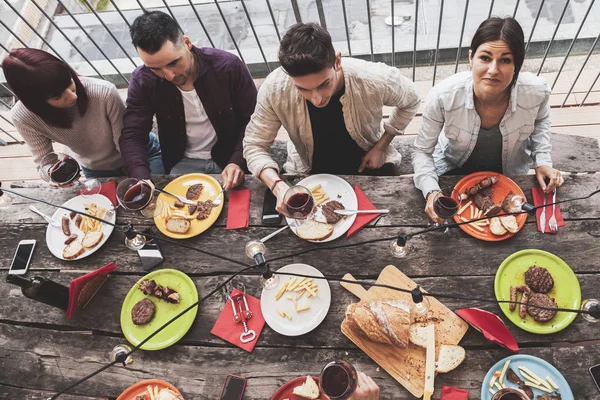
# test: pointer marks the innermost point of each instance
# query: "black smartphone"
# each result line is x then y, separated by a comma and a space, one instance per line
595, 371
150, 255
269, 213
233, 389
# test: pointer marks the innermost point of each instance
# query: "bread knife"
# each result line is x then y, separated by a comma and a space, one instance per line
429, 362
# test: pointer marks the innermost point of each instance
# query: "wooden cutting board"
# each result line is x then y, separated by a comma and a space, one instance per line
407, 365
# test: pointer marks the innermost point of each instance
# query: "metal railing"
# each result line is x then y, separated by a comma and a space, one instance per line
97, 42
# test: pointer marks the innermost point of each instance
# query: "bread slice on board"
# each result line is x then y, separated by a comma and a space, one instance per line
91, 239
73, 250
313, 230
308, 390
178, 225
450, 357
418, 335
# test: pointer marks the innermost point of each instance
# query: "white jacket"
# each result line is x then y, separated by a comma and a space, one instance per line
368, 87
525, 129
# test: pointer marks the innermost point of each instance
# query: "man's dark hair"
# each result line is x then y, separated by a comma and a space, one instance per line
306, 49
152, 29
505, 29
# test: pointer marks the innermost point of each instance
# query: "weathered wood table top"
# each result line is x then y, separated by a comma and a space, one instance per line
41, 352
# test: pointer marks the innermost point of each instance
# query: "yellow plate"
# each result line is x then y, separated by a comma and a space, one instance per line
179, 187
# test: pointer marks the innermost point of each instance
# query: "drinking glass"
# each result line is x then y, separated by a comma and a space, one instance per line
299, 203
62, 170
510, 394
593, 307
338, 380
444, 205
137, 195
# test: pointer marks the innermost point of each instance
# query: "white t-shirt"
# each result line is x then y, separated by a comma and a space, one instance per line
201, 135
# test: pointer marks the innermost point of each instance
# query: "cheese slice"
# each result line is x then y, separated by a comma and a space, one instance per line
429, 362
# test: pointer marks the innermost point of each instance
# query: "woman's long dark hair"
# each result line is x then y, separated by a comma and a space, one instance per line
37, 76
505, 29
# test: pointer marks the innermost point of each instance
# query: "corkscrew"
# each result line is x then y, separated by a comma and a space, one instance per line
241, 314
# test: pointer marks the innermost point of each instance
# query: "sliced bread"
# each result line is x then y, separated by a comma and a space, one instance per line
450, 357
313, 230
496, 227
418, 335
308, 390
178, 225
73, 250
509, 222
91, 239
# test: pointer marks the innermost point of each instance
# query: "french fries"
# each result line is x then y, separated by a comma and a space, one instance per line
89, 224
319, 195
296, 287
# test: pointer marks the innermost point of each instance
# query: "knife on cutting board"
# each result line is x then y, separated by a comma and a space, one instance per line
429, 362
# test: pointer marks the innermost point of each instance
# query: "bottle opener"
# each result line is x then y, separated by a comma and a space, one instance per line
242, 313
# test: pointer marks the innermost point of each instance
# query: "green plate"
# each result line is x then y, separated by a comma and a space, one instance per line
566, 291
188, 295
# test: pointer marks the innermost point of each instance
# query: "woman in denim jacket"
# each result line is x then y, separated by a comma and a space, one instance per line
492, 117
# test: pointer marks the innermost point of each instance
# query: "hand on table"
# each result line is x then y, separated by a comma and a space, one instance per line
429, 207
367, 389
232, 176
553, 175
373, 159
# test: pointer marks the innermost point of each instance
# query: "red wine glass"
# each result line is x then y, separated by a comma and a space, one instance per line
138, 195
299, 203
445, 205
338, 380
62, 170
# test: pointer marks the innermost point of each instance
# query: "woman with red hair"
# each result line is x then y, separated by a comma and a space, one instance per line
56, 105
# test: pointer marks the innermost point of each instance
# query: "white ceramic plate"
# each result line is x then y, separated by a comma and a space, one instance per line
55, 239
337, 189
301, 322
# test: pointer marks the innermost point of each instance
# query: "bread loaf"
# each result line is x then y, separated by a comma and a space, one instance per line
382, 321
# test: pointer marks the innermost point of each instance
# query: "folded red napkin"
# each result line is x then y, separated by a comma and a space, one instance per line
490, 325
538, 200
239, 209
109, 190
452, 393
82, 289
361, 219
227, 329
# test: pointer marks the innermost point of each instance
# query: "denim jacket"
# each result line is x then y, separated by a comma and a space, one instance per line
450, 127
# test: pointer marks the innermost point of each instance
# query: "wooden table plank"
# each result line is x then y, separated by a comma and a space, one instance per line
52, 359
11, 392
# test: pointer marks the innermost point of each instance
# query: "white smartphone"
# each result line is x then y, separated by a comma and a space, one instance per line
22, 257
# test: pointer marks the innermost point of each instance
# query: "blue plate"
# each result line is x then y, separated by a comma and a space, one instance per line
538, 366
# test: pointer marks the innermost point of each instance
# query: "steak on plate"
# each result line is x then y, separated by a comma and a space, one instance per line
542, 300
328, 210
142, 312
193, 192
539, 279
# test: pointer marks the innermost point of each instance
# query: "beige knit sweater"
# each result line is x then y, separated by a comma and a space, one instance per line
93, 139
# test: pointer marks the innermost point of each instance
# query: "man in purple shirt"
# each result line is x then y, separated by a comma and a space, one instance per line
202, 99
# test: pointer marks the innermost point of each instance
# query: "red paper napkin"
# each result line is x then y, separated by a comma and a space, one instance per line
361, 219
239, 209
538, 200
82, 289
490, 325
452, 393
227, 329
109, 190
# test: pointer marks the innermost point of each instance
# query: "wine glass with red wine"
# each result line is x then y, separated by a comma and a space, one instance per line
299, 203
136, 195
338, 380
62, 170
444, 205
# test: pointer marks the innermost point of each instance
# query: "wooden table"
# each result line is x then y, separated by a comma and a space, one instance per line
41, 352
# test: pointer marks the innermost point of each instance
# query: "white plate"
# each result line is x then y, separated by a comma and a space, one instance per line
55, 238
334, 186
304, 321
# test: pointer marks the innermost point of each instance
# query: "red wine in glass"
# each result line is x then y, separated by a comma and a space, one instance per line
445, 207
299, 205
137, 196
65, 171
338, 380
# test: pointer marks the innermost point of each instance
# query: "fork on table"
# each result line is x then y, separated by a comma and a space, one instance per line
552, 224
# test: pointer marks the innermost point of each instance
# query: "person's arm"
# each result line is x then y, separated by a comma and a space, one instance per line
115, 110
137, 123
39, 144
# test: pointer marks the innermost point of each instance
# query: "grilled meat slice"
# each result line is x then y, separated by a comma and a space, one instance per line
540, 314
194, 191
204, 209
151, 288
539, 279
328, 210
513, 377
142, 312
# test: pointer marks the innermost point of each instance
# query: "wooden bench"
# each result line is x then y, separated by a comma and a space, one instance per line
570, 153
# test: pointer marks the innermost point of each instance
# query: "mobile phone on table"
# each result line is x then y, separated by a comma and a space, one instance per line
150, 255
233, 389
595, 371
22, 258
269, 213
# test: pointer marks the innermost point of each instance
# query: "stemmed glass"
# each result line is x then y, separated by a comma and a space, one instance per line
445, 206
338, 380
138, 195
62, 170
299, 203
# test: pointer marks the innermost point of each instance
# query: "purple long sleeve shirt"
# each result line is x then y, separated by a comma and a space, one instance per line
228, 95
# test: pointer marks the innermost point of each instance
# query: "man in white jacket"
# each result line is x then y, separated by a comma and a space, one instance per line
331, 108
